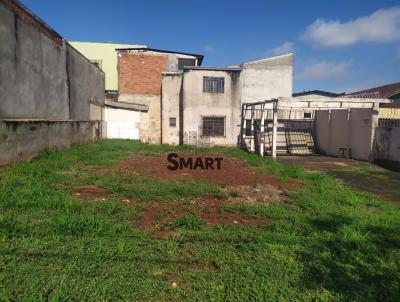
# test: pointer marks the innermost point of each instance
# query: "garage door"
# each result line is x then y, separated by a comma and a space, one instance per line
122, 124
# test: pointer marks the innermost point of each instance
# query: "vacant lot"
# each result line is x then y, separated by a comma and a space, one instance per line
109, 221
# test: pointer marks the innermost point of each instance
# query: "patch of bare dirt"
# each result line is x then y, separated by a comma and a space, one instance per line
257, 194
158, 216
212, 215
233, 172
91, 192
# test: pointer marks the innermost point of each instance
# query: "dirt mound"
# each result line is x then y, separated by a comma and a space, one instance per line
232, 172
91, 192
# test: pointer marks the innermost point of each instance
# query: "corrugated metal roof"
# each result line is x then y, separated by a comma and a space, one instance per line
318, 92
385, 92
127, 106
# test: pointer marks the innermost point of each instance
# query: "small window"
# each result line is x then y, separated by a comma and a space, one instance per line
213, 126
307, 114
172, 121
213, 84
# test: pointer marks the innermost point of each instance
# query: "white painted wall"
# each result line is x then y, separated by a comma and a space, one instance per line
345, 128
360, 133
266, 79
121, 123
150, 120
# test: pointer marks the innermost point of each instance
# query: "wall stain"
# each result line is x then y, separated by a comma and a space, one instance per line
16, 38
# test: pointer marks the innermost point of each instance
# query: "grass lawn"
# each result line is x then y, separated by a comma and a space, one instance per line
324, 242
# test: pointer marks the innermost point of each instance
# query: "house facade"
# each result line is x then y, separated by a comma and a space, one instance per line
202, 105
162, 96
140, 83
133, 86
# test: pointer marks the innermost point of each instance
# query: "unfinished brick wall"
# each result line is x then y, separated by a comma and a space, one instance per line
140, 72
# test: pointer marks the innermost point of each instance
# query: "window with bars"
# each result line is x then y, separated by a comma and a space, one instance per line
172, 121
213, 126
214, 84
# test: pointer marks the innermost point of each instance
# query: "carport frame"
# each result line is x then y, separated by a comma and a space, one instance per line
245, 108
292, 104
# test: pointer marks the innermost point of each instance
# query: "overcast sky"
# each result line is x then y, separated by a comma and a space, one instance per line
339, 46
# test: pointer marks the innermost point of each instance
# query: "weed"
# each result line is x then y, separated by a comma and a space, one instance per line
188, 222
325, 244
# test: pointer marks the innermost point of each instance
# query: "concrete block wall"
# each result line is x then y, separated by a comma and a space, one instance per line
33, 74
23, 140
46, 87
86, 85
42, 77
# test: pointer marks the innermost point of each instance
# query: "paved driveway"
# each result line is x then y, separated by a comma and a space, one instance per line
362, 176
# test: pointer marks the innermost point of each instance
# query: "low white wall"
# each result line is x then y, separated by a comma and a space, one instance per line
344, 129
121, 123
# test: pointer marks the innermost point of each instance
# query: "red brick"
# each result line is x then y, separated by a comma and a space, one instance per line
141, 72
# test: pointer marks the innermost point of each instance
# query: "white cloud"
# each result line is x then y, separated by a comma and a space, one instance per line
325, 70
209, 48
381, 26
285, 48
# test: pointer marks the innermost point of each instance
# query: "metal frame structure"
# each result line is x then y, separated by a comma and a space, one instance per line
259, 112
254, 111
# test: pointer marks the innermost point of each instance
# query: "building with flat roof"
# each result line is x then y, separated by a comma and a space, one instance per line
202, 105
140, 83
